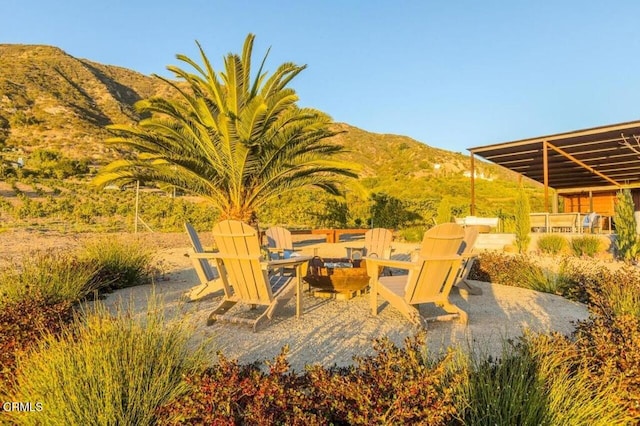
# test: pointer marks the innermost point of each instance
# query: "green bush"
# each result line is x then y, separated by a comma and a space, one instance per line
539, 380
54, 276
505, 269
412, 234
627, 240
522, 220
120, 262
586, 245
106, 370
520, 271
552, 244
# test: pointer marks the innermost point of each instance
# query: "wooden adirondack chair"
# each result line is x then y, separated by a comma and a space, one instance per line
245, 276
429, 280
209, 280
468, 258
279, 241
377, 242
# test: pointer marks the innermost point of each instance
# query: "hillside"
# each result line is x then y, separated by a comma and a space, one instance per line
52, 100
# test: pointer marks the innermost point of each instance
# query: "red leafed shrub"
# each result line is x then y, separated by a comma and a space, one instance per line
505, 269
22, 324
610, 339
611, 347
396, 386
229, 394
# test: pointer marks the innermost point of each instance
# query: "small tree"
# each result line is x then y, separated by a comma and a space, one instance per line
627, 241
523, 223
389, 212
444, 210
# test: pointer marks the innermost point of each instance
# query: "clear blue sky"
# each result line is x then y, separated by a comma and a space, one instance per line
451, 74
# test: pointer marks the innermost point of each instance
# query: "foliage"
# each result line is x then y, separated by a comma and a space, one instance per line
586, 245
335, 214
236, 139
552, 244
50, 163
538, 380
522, 221
389, 212
521, 271
505, 269
229, 393
396, 386
412, 234
55, 276
106, 370
609, 342
444, 210
22, 324
627, 240
119, 262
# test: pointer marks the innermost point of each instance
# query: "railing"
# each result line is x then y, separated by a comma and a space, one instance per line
568, 222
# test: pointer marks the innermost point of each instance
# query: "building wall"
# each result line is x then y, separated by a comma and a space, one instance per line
601, 202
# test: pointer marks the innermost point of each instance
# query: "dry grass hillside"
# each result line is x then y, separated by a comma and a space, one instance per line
50, 100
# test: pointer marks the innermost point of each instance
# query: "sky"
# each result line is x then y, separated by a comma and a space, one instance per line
452, 74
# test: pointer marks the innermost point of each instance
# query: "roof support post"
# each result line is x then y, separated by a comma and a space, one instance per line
545, 166
473, 185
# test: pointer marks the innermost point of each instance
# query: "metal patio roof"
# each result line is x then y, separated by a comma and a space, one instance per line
606, 156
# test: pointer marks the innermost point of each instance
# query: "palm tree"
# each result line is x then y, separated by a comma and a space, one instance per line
237, 142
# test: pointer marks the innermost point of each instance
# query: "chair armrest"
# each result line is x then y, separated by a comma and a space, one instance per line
468, 256
452, 257
399, 264
292, 261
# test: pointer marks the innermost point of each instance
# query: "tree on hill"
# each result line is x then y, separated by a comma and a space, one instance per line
234, 139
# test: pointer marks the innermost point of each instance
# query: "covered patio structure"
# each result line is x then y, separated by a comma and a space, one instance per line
586, 168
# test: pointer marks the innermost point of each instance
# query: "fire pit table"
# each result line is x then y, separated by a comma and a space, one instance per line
340, 278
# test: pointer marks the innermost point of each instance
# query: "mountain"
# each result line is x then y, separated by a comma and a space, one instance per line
52, 100
49, 99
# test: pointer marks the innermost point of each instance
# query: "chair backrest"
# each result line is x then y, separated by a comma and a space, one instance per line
239, 254
442, 239
470, 236
439, 263
205, 267
591, 220
278, 237
377, 242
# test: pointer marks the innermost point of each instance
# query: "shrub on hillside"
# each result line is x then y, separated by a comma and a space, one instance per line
552, 244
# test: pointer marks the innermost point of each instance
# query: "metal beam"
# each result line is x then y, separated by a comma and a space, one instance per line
575, 160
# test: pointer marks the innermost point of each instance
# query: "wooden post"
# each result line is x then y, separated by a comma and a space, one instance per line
545, 165
473, 185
